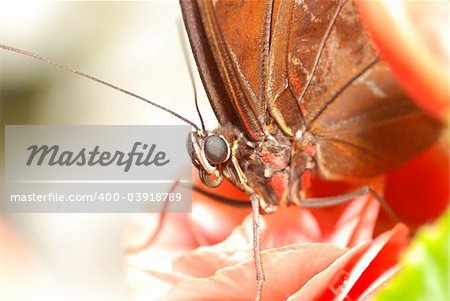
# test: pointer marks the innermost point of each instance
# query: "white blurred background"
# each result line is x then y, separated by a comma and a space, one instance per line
135, 45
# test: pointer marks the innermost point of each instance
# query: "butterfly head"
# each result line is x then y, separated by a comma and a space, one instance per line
208, 151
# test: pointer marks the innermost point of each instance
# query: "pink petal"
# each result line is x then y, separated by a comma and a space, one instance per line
285, 227
321, 282
205, 261
286, 269
357, 222
212, 222
381, 255
152, 283
150, 270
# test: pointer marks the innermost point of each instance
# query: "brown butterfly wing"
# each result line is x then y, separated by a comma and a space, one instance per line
316, 49
208, 69
231, 32
370, 126
297, 30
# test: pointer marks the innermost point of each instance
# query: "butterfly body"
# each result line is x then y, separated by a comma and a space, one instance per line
262, 167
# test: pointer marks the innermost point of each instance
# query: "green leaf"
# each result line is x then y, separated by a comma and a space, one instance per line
425, 273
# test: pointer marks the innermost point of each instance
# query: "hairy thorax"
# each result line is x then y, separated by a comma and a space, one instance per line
274, 168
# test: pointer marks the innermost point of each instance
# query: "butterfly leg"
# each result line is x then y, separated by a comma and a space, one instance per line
339, 199
162, 218
239, 172
256, 201
257, 246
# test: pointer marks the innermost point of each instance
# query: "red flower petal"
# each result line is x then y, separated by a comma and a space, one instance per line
379, 282
382, 254
419, 192
412, 37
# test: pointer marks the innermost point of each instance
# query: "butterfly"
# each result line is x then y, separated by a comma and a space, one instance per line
298, 91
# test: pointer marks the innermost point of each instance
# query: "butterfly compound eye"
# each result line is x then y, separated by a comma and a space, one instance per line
216, 149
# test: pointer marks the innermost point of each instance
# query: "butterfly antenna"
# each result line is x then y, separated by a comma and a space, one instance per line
189, 66
90, 77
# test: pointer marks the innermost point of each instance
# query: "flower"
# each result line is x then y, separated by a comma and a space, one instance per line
412, 37
304, 257
342, 253
419, 191
208, 254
